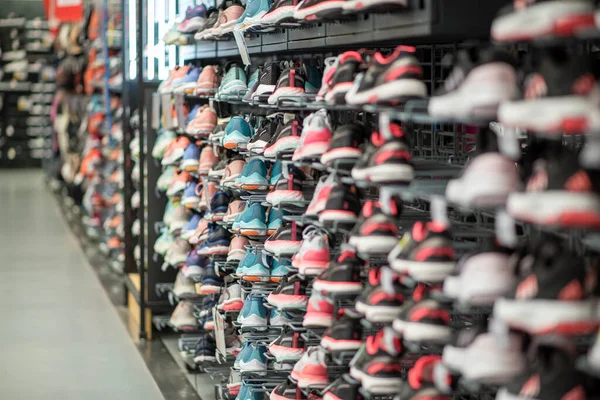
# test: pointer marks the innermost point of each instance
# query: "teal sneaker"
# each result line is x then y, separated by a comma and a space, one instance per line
255, 10
235, 227
275, 220
234, 80
253, 78
280, 268
314, 79
237, 133
253, 268
276, 173
253, 220
253, 176
163, 140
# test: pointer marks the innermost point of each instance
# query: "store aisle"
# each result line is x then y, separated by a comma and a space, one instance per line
60, 337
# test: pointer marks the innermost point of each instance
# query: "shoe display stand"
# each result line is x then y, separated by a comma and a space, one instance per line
26, 89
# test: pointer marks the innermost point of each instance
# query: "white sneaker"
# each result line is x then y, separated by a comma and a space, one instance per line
179, 219
319, 200
177, 253
313, 256
183, 286
314, 124
183, 316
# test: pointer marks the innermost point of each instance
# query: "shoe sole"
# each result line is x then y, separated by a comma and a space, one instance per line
423, 271
422, 332
394, 91
338, 287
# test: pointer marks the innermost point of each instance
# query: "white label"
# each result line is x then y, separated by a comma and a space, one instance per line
242, 47
439, 209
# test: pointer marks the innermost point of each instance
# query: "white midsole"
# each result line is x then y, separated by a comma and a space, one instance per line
543, 205
385, 173
389, 91
373, 244
378, 313
424, 271
423, 332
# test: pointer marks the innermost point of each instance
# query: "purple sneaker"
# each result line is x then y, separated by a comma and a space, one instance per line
194, 21
187, 83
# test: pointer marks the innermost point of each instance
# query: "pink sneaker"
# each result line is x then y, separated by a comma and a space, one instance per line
313, 256
319, 311
237, 248
200, 234
235, 208
204, 122
233, 170
207, 160
320, 196
228, 19
208, 81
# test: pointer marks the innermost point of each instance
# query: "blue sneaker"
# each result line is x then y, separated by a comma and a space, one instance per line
217, 242
192, 114
253, 220
186, 84
219, 204
252, 268
194, 264
211, 282
256, 361
280, 318
275, 220
253, 78
249, 393
237, 133
191, 155
195, 19
280, 268
189, 229
255, 10
276, 173
206, 350
190, 198
254, 312
253, 176
235, 227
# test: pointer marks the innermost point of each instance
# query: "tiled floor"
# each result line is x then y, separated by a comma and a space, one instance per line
60, 337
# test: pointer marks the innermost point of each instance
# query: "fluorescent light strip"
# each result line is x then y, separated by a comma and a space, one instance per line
132, 40
151, 23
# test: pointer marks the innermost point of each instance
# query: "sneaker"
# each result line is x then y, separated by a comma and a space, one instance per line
319, 311
175, 151
234, 78
345, 145
166, 178
386, 161
188, 230
559, 192
212, 17
319, 199
376, 364
389, 79
473, 188
330, 65
164, 138
187, 84
311, 369
287, 190
217, 242
163, 242
548, 297
376, 232
311, 10
249, 393
290, 84
195, 264
255, 10
191, 156
256, 360
421, 381
237, 134
178, 184
276, 173
537, 19
316, 135
183, 318
207, 160
211, 282
426, 321
483, 277
237, 248
232, 298
206, 350
344, 335
284, 141
280, 268
219, 205
560, 97
425, 253
474, 347
286, 390
253, 312
313, 256
235, 209
343, 388
267, 81
232, 173
253, 220
290, 294
263, 135
480, 82
285, 242
281, 13
287, 347
179, 219
190, 199
233, 344
253, 176
280, 318
200, 234
275, 221
343, 206
342, 276
383, 298
349, 65
204, 122
208, 81
183, 287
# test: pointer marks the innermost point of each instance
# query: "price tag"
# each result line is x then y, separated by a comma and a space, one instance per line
179, 104
505, 229
241, 44
155, 110
439, 209
219, 331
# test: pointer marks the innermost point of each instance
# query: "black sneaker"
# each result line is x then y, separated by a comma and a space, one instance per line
480, 81
389, 79
377, 365
386, 160
345, 146
381, 303
425, 253
343, 205
217, 242
345, 335
285, 140
527, 20
558, 179
561, 79
426, 321
287, 347
264, 133
549, 298
206, 350
212, 16
219, 204
311, 10
290, 84
281, 13
342, 276
420, 384
343, 388
267, 81
386, 6
285, 242
350, 64
376, 233
290, 294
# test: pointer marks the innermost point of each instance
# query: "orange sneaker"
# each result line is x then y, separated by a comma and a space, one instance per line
175, 150
208, 81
